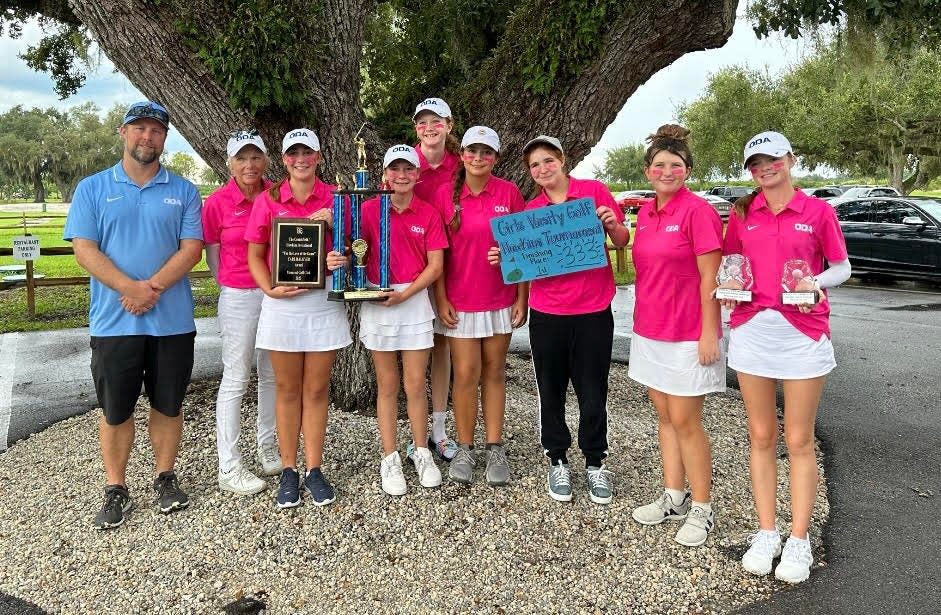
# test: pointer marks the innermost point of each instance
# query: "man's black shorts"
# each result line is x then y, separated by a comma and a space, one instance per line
121, 364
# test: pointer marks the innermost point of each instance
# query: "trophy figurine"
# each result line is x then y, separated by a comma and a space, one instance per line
795, 271
734, 278
358, 288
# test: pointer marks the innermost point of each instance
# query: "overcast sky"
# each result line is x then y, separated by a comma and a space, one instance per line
653, 104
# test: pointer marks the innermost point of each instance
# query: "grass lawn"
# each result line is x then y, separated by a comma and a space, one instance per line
59, 307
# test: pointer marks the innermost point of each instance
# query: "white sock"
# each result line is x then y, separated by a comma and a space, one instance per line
770, 534
676, 495
704, 505
437, 425
805, 539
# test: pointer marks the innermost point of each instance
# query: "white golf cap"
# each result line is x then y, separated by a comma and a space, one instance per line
435, 105
302, 136
546, 140
401, 152
769, 143
240, 139
483, 136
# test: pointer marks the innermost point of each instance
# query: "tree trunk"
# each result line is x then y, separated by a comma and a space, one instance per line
896, 167
140, 39
39, 189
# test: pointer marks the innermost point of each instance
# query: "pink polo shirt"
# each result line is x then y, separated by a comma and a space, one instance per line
225, 215
581, 292
668, 306
430, 179
265, 209
807, 229
413, 232
471, 282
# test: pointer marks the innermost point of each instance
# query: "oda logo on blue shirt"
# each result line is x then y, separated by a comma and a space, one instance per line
172, 201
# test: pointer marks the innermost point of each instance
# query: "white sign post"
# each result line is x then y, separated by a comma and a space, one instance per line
26, 248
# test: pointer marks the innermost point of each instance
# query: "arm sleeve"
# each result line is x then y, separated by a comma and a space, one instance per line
831, 237
81, 220
192, 227
733, 243
212, 220
705, 230
836, 274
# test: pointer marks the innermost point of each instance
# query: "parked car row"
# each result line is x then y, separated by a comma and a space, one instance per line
900, 236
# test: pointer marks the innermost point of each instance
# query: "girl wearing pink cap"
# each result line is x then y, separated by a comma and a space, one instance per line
438, 161
476, 311
675, 349
571, 331
402, 324
225, 215
301, 330
771, 341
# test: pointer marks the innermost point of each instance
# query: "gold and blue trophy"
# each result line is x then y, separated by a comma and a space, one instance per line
356, 287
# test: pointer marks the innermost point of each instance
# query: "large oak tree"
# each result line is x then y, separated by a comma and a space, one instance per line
523, 67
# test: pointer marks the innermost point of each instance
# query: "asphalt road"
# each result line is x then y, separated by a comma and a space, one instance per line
879, 421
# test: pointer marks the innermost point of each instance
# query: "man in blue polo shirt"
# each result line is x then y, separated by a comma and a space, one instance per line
136, 229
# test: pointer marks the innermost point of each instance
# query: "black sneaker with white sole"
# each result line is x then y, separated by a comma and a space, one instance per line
169, 495
118, 502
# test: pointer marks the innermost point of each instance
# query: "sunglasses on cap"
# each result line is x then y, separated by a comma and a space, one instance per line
247, 132
148, 110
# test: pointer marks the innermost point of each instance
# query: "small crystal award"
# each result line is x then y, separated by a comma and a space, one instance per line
734, 278
795, 271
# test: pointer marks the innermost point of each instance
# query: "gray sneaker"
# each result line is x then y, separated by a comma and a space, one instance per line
699, 522
270, 459
559, 481
462, 466
599, 484
498, 470
662, 509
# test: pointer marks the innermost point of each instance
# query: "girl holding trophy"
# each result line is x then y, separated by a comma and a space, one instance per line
676, 348
572, 331
402, 324
301, 330
476, 310
438, 160
786, 237
225, 215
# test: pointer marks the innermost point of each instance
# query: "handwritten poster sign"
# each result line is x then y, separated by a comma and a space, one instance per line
550, 241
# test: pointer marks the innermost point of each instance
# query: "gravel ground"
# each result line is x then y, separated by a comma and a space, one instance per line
454, 549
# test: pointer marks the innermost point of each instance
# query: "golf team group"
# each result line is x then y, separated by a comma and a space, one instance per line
139, 229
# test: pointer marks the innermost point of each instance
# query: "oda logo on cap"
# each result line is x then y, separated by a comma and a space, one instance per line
481, 132
298, 133
244, 137
401, 148
430, 101
759, 141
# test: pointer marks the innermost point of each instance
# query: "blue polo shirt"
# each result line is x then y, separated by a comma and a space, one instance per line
139, 229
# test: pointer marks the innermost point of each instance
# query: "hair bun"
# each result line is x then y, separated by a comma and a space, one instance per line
669, 131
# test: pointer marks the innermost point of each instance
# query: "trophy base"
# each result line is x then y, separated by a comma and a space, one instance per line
355, 295
800, 298
733, 293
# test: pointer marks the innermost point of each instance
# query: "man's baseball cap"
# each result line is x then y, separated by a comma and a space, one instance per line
483, 136
543, 140
302, 136
435, 105
769, 143
240, 138
145, 109
401, 152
